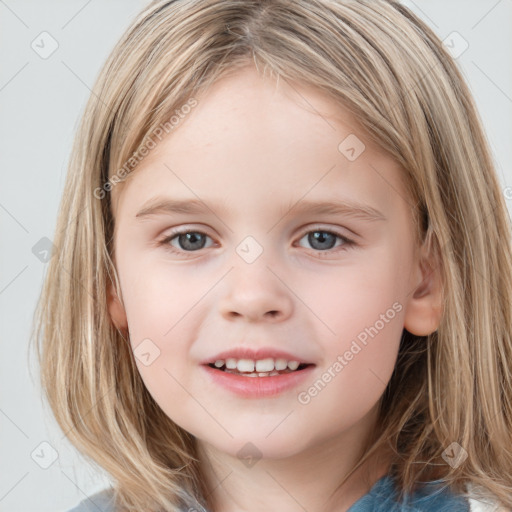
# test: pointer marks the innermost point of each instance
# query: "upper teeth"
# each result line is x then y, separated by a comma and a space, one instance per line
262, 365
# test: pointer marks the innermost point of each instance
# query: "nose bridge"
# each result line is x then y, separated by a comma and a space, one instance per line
252, 290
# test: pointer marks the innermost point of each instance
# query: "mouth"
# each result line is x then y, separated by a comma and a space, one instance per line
276, 379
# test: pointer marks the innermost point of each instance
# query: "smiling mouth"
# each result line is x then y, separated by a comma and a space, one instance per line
273, 373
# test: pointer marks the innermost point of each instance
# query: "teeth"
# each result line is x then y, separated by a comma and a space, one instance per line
262, 366
293, 365
265, 365
281, 364
230, 364
255, 374
245, 365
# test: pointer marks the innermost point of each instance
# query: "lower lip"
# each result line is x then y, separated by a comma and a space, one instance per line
258, 387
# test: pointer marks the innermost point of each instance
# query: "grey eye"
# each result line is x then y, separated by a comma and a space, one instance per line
190, 240
321, 240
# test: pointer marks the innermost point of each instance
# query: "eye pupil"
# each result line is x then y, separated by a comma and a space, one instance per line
188, 240
320, 237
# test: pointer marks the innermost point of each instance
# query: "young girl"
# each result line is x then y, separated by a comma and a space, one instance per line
284, 275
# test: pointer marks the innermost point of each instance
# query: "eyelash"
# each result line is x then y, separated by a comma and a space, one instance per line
348, 243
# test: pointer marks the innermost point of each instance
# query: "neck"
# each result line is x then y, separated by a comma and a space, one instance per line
308, 480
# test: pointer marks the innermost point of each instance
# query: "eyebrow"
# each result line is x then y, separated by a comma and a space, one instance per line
161, 205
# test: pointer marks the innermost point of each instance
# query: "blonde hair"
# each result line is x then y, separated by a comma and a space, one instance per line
387, 67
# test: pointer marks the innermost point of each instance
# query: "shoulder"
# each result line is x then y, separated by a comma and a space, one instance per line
102, 501
432, 497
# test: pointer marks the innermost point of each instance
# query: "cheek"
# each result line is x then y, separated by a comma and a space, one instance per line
359, 360
162, 306
353, 297
156, 297
361, 315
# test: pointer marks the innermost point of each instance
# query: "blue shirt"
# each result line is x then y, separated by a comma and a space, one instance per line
381, 498
430, 498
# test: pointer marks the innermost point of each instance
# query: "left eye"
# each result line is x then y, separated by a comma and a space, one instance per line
323, 240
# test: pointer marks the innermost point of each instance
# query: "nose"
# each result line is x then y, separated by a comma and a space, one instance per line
254, 293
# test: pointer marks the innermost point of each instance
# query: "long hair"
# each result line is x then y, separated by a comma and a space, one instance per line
388, 68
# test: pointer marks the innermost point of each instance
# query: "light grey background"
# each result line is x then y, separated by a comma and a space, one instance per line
41, 100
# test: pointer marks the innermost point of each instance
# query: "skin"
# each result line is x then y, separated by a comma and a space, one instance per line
250, 150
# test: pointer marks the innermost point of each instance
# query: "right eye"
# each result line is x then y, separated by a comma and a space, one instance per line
186, 240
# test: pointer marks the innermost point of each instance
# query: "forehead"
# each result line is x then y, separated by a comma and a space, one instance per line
257, 141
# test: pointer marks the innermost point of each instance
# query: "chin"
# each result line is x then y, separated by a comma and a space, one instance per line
254, 447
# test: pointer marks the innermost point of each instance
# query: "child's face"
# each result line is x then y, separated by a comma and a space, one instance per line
251, 151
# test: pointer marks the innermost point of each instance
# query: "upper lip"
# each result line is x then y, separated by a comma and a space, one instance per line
255, 355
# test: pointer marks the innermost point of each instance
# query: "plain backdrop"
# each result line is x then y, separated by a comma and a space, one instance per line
50, 54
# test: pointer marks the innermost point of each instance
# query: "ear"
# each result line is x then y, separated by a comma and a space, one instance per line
425, 307
116, 309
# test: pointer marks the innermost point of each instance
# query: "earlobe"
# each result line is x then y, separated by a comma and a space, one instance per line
116, 309
425, 307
